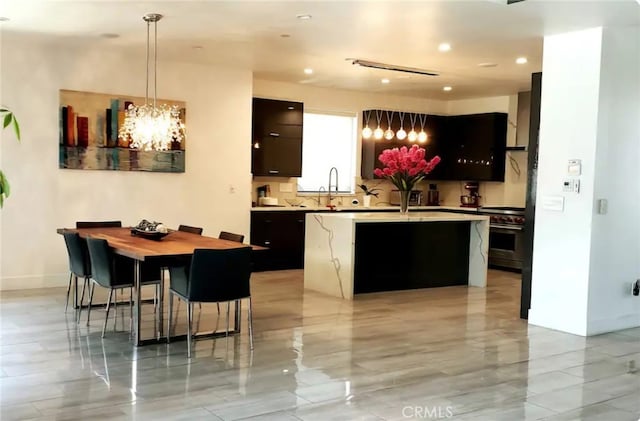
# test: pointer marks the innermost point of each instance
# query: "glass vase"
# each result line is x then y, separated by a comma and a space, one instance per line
404, 201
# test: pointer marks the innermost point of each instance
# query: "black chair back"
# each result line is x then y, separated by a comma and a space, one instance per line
239, 238
79, 263
220, 275
192, 230
98, 224
101, 261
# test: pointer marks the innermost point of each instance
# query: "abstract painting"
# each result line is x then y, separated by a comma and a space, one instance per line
89, 127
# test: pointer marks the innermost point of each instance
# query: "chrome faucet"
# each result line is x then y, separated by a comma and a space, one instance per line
329, 186
320, 191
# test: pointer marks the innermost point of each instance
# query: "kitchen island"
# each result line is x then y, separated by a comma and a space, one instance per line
348, 253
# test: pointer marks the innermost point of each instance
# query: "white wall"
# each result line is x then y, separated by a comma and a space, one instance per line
615, 244
45, 197
583, 263
510, 193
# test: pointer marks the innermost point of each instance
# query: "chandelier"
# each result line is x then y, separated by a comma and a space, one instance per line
148, 126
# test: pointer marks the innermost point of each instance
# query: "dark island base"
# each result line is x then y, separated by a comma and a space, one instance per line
398, 256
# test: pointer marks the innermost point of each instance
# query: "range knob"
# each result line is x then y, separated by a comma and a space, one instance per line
520, 220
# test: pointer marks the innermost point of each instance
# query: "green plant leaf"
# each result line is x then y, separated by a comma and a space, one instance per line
16, 126
7, 120
5, 189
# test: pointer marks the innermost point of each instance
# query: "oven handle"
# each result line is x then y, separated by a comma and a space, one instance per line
507, 227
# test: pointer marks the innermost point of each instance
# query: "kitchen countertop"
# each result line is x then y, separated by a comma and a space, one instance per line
358, 208
408, 217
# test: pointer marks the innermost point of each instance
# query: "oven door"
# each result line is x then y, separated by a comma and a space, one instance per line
505, 245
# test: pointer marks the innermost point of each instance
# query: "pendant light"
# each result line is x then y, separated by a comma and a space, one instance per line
378, 133
149, 126
367, 132
401, 134
388, 134
422, 136
413, 135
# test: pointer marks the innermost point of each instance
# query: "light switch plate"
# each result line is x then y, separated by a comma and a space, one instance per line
553, 203
603, 206
574, 167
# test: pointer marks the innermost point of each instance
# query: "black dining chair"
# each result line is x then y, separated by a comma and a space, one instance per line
214, 276
98, 224
224, 235
114, 272
79, 265
192, 230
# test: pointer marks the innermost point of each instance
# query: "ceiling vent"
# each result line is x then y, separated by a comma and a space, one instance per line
384, 66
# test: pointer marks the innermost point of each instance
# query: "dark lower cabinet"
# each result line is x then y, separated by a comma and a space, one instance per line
283, 233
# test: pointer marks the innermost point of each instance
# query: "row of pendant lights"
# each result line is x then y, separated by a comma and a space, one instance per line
401, 134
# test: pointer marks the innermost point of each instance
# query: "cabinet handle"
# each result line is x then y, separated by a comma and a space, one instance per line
301, 220
273, 171
274, 134
266, 243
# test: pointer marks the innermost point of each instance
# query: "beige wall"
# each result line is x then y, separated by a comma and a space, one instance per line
213, 193
510, 193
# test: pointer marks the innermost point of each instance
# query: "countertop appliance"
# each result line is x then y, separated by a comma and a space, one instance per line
471, 200
506, 239
415, 197
433, 195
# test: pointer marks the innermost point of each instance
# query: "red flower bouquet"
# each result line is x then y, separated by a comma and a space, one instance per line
404, 168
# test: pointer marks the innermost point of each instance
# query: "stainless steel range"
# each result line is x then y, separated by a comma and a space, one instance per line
506, 239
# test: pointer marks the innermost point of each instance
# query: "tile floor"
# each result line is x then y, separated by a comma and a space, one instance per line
449, 353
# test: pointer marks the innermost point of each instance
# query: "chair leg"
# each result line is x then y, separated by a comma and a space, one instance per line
250, 317
106, 316
131, 310
218, 305
68, 291
92, 288
227, 332
169, 317
189, 317
84, 285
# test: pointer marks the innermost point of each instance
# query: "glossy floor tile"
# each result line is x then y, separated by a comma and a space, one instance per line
459, 353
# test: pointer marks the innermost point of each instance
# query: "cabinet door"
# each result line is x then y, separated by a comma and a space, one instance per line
283, 234
276, 138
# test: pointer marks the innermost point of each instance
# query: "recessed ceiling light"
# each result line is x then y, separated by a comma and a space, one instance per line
304, 17
487, 64
285, 36
109, 35
444, 47
385, 81
198, 47
308, 71
521, 60
447, 88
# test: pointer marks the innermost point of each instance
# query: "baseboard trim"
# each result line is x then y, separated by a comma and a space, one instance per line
9, 283
627, 321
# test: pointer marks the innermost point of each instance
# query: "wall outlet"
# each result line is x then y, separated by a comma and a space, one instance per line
635, 288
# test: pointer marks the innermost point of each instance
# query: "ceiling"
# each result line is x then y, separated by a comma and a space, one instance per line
266, 37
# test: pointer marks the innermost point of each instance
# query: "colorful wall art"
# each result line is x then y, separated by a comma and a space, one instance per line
89, 126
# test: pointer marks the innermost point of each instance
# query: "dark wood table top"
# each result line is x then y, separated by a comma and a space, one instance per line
176, 244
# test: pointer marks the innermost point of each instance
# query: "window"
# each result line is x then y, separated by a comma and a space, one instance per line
328, 140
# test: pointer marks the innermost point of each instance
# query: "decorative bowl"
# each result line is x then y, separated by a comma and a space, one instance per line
150, 235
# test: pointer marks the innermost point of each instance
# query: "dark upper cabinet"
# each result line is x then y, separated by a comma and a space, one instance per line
276, 138
471, 147
477, 146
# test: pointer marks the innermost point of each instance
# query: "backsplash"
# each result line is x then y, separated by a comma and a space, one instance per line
511, 192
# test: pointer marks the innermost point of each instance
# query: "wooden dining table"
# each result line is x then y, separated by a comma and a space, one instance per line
174, 249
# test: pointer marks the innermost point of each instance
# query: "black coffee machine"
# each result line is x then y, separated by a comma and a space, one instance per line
433, 195
471, 200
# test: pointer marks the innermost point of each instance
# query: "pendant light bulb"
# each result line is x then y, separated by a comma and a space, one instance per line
422, 137
401, 134
367, 132
412, 136
389, 134
378, 133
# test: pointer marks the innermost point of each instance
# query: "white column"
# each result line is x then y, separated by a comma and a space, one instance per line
584, 261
